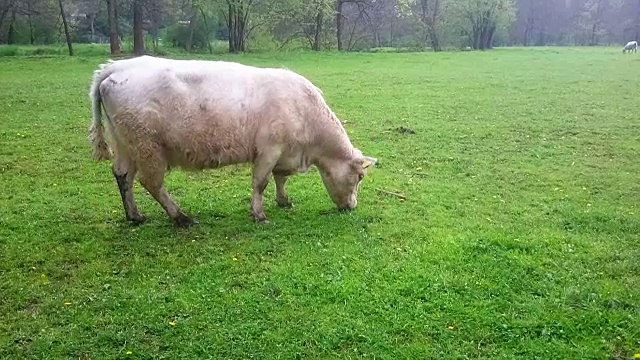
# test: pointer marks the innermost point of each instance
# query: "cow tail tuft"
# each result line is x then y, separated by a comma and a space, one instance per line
100, 147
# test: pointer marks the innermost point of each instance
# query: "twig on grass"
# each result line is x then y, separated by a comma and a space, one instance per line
392, 193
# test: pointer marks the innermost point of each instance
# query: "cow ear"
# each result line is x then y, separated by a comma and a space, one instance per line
368, 162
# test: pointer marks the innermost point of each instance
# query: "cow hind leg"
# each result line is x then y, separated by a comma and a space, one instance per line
281, 193
124, 172
153, 181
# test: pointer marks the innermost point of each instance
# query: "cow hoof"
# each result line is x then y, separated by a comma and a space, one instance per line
184, 221
284, 204
261, 219
137, 220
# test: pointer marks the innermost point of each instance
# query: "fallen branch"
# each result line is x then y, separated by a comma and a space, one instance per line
398, 195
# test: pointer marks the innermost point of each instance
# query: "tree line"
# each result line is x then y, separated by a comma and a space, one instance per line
345, 25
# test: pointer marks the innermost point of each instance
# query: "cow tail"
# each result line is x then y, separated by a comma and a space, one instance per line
100, 147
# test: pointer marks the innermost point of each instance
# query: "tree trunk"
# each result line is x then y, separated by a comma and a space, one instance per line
435, 17
637, 24
32, 39
435, 41
93, 32
490, 34
430, 22
528, 31
206, 26
318, 31
192, 26
114, 41
392, 27
541, 37
138, 40
11, 32
66, 28
475, 37
236, 24
116, 19
4, 13
596, 22
339, 23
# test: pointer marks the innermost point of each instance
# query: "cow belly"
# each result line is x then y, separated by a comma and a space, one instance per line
210, 154
292, 163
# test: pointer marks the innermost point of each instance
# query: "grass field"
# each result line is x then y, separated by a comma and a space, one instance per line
519, 236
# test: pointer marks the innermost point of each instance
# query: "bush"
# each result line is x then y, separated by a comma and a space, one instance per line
178, 34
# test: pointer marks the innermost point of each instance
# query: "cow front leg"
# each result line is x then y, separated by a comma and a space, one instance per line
262, 168
124, 172
281, 193
153, 181
257, 210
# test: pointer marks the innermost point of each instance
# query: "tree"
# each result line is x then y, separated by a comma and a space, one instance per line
114, 40
316, 46
636, 22
591, 19
138, 40
530, 23
430, 19
66, 28
482, 18
237, 19
206, 27
340, 19
5, 7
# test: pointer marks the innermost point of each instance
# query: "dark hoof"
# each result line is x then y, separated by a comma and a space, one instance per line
183, 221
284, 204
260, 219
137, 220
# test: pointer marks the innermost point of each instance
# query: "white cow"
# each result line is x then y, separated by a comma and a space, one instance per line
631, 46
194, 114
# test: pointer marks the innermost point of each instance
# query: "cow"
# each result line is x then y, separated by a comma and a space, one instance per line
631, 46
199, 114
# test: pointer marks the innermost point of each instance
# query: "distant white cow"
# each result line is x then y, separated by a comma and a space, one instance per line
631, 46
196, 115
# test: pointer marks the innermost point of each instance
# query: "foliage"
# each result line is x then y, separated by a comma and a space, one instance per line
482, 20
519, 236
313, 24
177, 35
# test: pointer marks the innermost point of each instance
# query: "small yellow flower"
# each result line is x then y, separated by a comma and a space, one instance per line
172, 323
636, 356
235, 259
129, 352
67, 303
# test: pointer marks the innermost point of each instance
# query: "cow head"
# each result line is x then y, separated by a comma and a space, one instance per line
342, 178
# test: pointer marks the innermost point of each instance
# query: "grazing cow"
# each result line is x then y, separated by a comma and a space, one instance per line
631, 46
195, 115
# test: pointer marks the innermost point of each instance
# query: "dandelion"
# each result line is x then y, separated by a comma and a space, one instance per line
235, 259
172, 323
129, 352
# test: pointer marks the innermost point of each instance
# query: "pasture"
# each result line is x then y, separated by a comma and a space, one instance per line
518, 235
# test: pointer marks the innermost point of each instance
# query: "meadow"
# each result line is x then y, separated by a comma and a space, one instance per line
517, 236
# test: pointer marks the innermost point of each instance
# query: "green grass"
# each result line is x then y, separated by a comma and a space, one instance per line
519, 236
54, 50
93, 50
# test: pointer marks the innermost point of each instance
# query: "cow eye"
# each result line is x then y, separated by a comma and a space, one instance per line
360, 177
